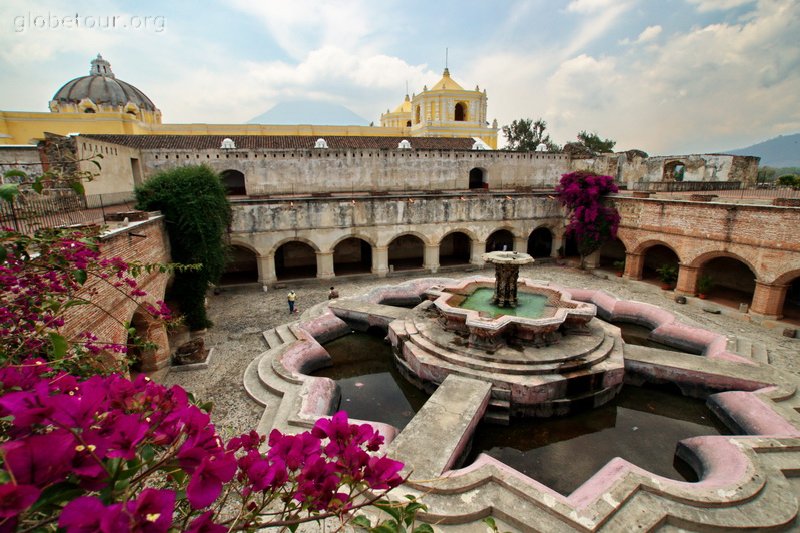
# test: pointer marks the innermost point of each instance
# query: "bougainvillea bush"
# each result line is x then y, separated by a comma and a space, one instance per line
591, 222
82, 450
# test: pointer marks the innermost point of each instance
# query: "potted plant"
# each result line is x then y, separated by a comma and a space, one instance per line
668, 274
620, 266
704, 284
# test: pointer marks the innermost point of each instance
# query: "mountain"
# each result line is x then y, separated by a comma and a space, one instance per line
309, 112
782, 151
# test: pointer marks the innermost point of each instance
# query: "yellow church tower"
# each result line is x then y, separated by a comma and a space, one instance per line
444, 110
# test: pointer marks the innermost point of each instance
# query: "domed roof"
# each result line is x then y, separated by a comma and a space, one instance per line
103, 88
405, 107
447, 83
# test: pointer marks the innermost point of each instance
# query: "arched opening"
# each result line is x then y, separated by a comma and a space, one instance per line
295, 260
569, 249
657, 260
352, 256
730, 282
674, 171
408, 124
461, 112
88, 110
406, 252
455, 249
500, 240
791, 305
612, 255
233, 181
477, 179
242, 267
540, 242
416, 115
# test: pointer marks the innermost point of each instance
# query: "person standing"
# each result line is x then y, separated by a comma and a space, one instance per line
291, 297
333, 294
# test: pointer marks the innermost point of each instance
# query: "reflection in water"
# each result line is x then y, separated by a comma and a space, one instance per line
371, 386
641, 425
528, 305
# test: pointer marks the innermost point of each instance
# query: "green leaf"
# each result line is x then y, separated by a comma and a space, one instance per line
80, 276
58, 494
59, 344
8, 191
15, 173
3, 253
37, 185
391, 509
489, 521
77, 186
423, 528
390, 526
362, 521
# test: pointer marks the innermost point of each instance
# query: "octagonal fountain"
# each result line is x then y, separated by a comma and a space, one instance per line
489, 355
543, 352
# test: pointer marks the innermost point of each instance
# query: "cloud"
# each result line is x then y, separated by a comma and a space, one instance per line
588, 7
704, 6
648, 34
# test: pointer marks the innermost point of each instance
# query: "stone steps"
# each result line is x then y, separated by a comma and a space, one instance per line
455, 358
279, 336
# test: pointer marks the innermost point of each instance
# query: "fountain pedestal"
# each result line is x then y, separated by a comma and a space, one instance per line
506, 274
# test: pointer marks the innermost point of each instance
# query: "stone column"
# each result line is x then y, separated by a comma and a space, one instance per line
478, 249
634, 263
325, 265
592, 260
266, 269
520, 244
687, 280
558, 242
380, 261
768, 300
431, 258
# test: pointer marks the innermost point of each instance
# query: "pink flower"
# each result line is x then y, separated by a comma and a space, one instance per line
14, 499
207, 480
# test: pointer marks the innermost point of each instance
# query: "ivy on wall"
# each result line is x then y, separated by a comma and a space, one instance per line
197, 214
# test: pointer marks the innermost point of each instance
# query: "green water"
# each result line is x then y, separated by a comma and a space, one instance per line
528, 305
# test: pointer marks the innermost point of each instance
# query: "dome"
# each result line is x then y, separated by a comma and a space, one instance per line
103, 89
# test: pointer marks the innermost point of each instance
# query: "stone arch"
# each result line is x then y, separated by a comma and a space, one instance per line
461, 112
705, 257
478, 178
500, 239
733, 279
673, 171
655, 255
352, 255
242, 265
540, 242
612, 251
455, 248
406, 252
234, 182
791, 300
146, 329
295, 259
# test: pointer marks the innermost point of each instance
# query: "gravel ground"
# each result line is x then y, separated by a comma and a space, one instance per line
240, 314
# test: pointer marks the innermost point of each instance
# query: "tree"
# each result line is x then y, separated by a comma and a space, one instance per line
526, 135
594, 143
197, 213
590, 222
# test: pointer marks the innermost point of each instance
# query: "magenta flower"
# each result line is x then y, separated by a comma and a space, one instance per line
87, 514
152, 511
40, 459
14, 499
207, 480
204, 524
382, 473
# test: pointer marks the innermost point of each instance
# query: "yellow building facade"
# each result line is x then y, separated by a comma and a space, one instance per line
101, 103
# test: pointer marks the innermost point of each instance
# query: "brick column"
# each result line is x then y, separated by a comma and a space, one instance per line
380, 261
325, 265
478, 249
266, 269
768, 300
687, 280
634, 263
431, 258
159, 357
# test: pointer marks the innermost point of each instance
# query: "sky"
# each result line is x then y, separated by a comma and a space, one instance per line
663, 76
